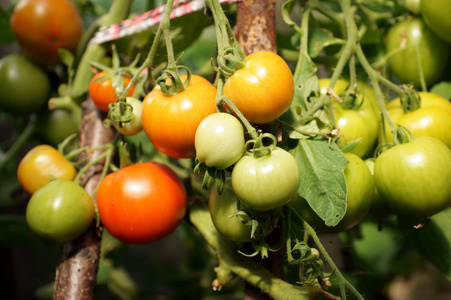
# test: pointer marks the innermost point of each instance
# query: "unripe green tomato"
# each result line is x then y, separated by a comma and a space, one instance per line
413, 178
410, 36
437, 14
24, 86
266, 182
222, 207
56, 125
219, 140
360, 184
379, 208
60, 211
134, 126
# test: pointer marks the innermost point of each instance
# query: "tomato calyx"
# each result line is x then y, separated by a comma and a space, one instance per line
230, 61
211, 177
411, 100
170, 82
257, 148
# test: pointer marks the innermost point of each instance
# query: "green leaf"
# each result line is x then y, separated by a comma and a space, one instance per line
66, 57
6, 33
433, 240
323, 183
320, 39
442, 89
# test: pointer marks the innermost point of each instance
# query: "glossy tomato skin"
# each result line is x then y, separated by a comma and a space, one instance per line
170, 122
24, 86
413, 178
106, 91
361, 122
263, 89
360, 184
437, 14
40, 166
141, 203
60, 211
267, 182
413, 34
134, 126
432, 119
379, 208
219, 140
54, 126
222, 207
43, 26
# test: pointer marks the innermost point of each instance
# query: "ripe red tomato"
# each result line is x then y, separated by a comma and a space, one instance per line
40, 166
141, 203
263, 89
432, 119
170, 122
104, 88
44, 26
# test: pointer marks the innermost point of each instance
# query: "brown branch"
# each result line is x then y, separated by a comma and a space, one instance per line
255, 25
76, 275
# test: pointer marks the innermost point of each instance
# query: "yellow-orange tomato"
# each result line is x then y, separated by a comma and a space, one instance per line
263, 89
44, 26
105, 91
170, 122
432, 119
40, 166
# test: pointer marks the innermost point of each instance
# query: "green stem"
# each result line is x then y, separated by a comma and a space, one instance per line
23, 137
374, 78
342, 280
95, 52
420, 70
243, 267
303, 46
104, 155
250, 129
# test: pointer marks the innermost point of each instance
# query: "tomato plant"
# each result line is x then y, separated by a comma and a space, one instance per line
263, 89
170, 122
222, 207
432, 119
266, 182
219, 140
105, 88
360, 183
436, 14
141, 203
409, 36
60, 211
133, 126
54, 126
24, 86
413, 177
44, 26
359, 120
41, 165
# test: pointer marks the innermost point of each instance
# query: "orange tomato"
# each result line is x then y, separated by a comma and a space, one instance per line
170, 122
44, 26
263, 89
104, 91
